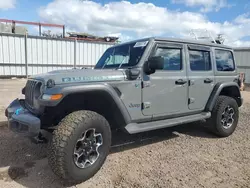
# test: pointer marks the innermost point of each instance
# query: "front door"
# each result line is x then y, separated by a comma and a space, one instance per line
165, 92
200, 75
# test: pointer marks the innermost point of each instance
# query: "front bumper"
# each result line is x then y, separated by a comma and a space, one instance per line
20, 120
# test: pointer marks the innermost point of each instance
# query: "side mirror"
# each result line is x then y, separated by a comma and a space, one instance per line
154, 63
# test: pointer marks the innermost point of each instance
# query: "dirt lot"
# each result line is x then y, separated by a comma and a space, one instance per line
183, 156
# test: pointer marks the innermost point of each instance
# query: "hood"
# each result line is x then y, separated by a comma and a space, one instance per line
81, 75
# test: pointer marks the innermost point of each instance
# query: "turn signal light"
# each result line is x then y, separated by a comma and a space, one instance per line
52, 97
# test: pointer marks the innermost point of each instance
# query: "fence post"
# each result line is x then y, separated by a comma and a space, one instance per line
75, 52
26, 55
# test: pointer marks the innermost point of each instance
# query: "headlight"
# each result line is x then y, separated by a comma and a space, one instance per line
53, 97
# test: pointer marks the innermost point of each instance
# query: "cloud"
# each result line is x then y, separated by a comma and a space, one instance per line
7, 4
138, 20
207, 5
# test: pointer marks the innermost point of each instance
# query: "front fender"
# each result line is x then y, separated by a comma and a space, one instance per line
73, 89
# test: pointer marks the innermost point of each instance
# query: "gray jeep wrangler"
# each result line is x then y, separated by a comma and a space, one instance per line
137, 86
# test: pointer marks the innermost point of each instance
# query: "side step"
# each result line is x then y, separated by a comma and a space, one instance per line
133, 128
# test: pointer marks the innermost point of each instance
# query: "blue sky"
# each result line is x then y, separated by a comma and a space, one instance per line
138, 18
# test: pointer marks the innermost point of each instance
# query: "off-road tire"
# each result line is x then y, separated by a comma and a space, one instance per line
62, 144
214, 123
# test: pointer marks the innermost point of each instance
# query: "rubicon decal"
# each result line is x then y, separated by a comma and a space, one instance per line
91, 78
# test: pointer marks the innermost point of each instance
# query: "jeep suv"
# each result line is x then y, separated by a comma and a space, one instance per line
137, 86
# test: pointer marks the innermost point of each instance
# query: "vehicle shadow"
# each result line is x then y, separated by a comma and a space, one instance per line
28, 164
122, 141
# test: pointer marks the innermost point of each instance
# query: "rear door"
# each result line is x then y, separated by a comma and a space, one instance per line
201, 76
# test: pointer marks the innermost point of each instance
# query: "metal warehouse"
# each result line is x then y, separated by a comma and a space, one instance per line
22, 55
242, 57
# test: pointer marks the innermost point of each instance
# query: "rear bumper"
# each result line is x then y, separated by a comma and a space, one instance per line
20, 120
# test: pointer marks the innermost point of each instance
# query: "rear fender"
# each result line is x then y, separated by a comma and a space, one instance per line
230, 89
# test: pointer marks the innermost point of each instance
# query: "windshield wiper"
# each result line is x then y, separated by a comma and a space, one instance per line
124, 59
109, 57
104, 64
121, 63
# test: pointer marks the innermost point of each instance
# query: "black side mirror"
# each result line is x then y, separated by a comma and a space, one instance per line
154, 63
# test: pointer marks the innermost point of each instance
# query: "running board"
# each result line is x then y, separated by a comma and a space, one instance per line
133, 128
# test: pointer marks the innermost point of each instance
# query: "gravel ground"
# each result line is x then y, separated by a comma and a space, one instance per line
183, 156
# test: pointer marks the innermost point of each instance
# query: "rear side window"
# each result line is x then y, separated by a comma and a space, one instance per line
199, 60
224, 60
172, 58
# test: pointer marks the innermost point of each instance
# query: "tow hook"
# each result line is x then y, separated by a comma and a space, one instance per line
39, 139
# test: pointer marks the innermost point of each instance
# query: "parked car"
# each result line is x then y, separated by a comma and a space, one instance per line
137, 86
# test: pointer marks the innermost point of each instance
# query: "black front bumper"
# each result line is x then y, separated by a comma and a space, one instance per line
20, 120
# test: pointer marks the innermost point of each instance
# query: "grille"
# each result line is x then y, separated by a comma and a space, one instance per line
32, 91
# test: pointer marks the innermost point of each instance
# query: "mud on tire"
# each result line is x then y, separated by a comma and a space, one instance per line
62, 146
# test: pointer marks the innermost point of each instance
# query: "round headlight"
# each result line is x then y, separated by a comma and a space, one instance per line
50, 83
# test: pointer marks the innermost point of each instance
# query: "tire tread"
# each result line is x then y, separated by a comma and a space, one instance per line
66, 128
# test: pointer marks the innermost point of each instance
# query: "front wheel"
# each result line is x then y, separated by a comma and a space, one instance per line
225, 115
79, 146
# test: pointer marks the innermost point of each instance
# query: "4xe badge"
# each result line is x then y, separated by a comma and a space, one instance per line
131, 105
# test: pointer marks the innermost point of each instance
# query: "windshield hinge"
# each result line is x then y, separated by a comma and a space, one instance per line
145, 84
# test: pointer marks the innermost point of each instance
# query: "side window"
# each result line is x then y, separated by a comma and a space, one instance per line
199, 60
172, 58
224, 60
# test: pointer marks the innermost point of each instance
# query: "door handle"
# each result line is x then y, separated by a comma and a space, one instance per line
180, 82
208, 80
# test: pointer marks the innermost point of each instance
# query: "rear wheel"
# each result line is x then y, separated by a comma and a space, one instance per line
225, 115
79, 146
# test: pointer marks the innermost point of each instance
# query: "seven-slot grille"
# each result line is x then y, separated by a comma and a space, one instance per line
30, 92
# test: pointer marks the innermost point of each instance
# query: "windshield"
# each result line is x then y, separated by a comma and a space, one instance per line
127, 55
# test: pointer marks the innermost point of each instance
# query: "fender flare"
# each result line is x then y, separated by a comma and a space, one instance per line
73, 89
216, 92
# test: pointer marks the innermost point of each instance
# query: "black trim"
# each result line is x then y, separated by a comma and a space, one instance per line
216, 92
72, 89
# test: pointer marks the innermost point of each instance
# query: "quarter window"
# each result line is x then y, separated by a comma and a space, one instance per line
224, 60
199, 60
172, 58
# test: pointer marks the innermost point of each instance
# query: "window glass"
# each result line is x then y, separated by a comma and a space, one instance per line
199, 60
122, 56
172, 58
224, 60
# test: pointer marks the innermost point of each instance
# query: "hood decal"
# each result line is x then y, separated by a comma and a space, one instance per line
91, 78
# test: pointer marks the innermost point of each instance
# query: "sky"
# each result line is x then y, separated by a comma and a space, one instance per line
138, 18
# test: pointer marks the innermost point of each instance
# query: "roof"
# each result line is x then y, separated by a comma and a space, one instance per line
178, 40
